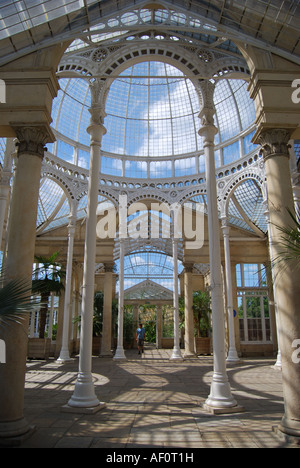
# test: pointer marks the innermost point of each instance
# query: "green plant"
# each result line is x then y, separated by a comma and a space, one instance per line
202, 314
150, 329
16, 301
98, 313
290, 241
48, 278
128, 327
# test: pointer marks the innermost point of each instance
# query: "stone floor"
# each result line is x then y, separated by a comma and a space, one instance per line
154, 402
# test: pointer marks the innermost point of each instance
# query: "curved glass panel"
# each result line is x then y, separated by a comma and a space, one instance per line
152, 112
153, 266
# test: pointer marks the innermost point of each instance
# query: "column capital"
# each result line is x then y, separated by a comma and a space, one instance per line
225, 227
109, 267
188, 267
205, 90
96, 129
208, 130
274, 142
32, 139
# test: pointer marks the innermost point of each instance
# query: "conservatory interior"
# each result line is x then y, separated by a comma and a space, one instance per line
149, 157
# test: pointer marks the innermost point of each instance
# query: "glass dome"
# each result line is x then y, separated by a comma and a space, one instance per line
152, 115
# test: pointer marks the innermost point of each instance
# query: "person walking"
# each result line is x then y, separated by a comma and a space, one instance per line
140, 338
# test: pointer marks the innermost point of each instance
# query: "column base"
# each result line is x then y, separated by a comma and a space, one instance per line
106, 355
278, 364
290, 427
233, 356
84, 394
12, 434
176, 355
83, 410
119, 355
190, 356
63, 360
229, 410
220, 394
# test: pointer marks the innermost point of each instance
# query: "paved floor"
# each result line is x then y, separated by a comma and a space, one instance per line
153, 402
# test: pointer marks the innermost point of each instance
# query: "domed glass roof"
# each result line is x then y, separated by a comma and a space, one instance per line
152, 112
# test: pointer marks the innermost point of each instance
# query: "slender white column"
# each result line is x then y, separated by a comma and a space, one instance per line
84, 393
65, 352
232, 353
120, 350
176, 355
189, 315
220, 394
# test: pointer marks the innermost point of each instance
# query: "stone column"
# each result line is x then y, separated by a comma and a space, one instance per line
176, 355
232, 353
84, 393
280, 198
107, 311
65, 352
5, 182
220, 394
120, 349
189, 337
277, 364
19, 261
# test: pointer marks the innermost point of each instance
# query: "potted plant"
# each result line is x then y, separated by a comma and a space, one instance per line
48, 278
202, 321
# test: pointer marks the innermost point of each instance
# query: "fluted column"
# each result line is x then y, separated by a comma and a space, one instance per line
232, 353
274, 144
84, 393
107, 311
65, 352
176, 355
19, 260
120, 349
189, 337
220, 393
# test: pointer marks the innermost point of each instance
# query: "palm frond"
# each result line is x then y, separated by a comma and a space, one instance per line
289, 241
16, 301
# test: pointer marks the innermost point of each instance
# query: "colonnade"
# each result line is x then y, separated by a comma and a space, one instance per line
20, 253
